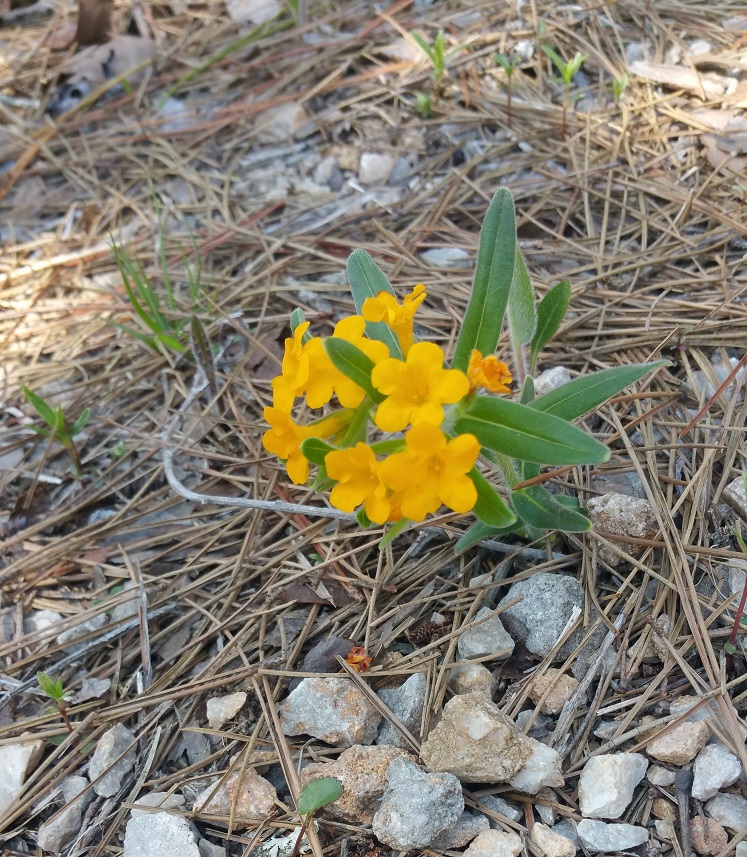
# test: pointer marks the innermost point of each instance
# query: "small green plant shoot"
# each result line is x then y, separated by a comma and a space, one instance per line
314, 796
438, 56
619, 85
57, 425
568, 70
509, 66
57, 693
408, 434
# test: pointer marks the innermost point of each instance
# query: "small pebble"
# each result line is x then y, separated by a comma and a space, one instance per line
729, 810
707, 835
221, 709
495, 843
596, 836
715, 768
607, 781
681, 744
551, 843
561, 688
106, 769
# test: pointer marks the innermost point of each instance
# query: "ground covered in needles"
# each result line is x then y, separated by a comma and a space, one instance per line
163, 644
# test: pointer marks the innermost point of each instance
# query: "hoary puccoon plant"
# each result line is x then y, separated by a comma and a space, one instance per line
395, 432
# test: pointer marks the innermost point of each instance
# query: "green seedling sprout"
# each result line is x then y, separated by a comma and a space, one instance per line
57, 693
619, 85
509, 66
424, 104
438, 56
731, 647
568, 70
314, 796
57, 425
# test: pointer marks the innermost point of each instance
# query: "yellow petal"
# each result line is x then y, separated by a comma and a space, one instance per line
392, 415
345, 497
458, 493
453, 385
463, 451
297, 467
377, 508
387, 375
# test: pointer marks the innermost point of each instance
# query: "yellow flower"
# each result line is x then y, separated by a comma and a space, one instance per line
285, 437
431, 471
417, 388
357, 473
325, 380
488, 372
294, 370
385, 307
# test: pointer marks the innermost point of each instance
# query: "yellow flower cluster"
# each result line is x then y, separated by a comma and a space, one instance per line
427, 468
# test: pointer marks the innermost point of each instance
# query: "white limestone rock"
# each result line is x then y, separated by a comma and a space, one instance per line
596, 836
715, 768
606, 784
221, 709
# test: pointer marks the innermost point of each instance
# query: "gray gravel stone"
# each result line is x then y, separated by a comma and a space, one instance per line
55, 833
331, 709
497, 804
15, 762
462, 833
729, 810
406, 703
495, 843
597, 836
550, 380
539, 620
416, 806
106, 762
488, 638
159, 834
714, 768
606, 784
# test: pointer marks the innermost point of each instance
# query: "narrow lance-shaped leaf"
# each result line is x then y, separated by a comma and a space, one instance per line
529, 435
353, 363
550, 313
297, 318
522, 313
81, 422
490, 508
538, 507
494, 273
582, 395
366, 281
45, 411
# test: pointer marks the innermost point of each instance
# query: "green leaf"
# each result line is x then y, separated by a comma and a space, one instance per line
45, 411
316, 449
550, 313
318, 793
391, 534
582, 395
364, 522
51, 688
491, 508
366, 281
540, 509
353, 363
477, 533
527, 391
521, 432
522, 314
80, 423
297, 318
424, 46
494, 273
60, 426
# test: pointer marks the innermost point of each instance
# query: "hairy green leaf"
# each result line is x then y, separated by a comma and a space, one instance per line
316, 449
522, 313
353, 363
540, 509
490, 508
550, 314
366, 281
494, 273
528, 435
582, 395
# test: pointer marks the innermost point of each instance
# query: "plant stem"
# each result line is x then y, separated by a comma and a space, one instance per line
297, 846
740, 613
